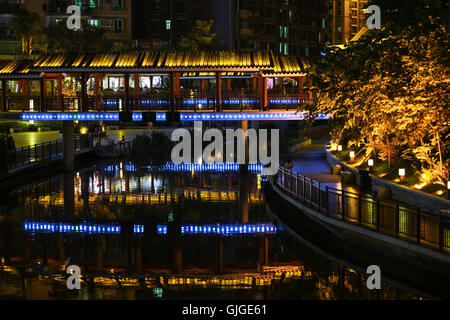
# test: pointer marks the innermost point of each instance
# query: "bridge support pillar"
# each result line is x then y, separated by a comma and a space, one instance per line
84, 96
202, 85
244, 177
220, 256
25, 90
174, 89
300, 88
97, 90
69, 195
4, 107
60, 93
262, 84
137, 89
126, 87
68, 157
218, 91
42, 93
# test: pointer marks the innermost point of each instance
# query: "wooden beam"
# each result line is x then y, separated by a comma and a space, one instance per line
60, 96
4, 106
42, 94
97, 91
126, 85
218, 91
137, 89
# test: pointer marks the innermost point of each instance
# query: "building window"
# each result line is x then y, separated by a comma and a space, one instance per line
118, 26
92, 22
117, 4
168, 24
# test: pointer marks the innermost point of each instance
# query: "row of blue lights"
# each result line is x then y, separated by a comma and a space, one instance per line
223, 229
109, 116
242, 116
188, 167
161, 229
71, 228
162, 116
286, 101
249, 116
220, 167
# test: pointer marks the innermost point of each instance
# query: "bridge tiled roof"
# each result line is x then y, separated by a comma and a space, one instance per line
159, 61
17, 69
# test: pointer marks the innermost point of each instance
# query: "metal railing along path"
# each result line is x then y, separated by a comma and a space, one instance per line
411, 224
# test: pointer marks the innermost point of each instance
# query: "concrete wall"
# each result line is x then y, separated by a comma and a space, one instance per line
398, 193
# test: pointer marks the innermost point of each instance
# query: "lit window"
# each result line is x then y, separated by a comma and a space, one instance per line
168, 24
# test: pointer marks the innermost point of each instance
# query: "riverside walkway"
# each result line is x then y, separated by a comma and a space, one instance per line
310, 183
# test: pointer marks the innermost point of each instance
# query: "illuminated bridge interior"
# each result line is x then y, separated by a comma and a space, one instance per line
135, 86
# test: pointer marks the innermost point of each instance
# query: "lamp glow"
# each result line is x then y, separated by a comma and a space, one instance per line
370, 163
402, 173
339, 148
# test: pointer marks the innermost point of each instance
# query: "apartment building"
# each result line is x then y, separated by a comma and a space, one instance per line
284, 26
347, 18
114, 15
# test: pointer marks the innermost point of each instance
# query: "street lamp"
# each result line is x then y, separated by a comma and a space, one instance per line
370, 164
352, 156
448, 190
401, 173
340, 148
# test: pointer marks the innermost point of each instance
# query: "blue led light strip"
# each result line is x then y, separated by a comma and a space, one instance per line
223, 229
89, 228
188, 167
72, 228
107, 116
236, 116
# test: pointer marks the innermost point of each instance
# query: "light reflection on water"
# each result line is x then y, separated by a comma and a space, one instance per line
138, 262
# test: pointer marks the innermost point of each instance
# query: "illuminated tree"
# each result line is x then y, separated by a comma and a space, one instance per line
26, 26
200, 37
388, 92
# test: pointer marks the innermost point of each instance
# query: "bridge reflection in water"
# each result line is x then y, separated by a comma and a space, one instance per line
139, 233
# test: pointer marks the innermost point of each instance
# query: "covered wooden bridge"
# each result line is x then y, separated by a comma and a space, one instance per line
220, 81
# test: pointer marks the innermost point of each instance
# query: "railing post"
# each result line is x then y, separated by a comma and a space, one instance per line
310, 193
397, 213
292, 179
359, 209
418, 225
343, 204
303, 189
440, 230
327, 204
378, 215
318, 199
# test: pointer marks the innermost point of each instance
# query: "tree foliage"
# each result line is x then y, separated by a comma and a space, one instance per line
388, 93
26, 27
91, 39
200, 37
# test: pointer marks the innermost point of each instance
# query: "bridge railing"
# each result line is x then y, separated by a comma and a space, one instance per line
230, 101
411, 224
48, 150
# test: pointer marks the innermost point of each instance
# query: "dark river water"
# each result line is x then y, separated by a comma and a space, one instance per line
176, 232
